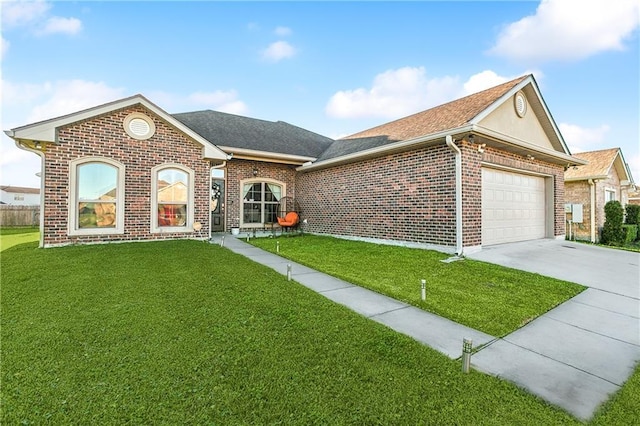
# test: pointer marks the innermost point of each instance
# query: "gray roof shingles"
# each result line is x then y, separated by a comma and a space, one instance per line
235, 131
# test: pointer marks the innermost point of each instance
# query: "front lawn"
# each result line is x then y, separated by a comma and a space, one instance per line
489, 298
184, 332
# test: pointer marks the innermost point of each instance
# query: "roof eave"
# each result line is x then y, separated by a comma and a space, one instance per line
385, 149
580, 178
271, 157
534, 150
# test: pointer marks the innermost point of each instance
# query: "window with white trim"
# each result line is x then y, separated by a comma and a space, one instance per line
260, 202
609, 195
172, 199
96, 196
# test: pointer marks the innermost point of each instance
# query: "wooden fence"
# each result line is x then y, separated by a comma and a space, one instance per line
19, 215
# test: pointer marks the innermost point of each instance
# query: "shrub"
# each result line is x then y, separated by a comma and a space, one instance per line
632, 214
612, 232
630, 233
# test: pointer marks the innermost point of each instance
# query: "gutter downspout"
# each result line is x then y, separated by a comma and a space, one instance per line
592, 210
458, 154
42, 159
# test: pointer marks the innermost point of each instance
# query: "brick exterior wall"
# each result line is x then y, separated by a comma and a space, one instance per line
579, 192
238, 170
407, 197
411, 196
105, 136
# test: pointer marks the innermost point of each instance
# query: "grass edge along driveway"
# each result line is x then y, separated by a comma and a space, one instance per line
483, 296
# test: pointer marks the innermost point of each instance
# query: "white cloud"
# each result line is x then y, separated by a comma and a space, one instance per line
394, 93
4, 47
283, 31
580, 139
64, 97
57, 25
278, 50
35, 16
483, 80
17, 13
569, 30
403, 91
220, 100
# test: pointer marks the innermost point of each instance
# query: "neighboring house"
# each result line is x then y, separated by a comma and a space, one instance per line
481, 170
634, 197
605, 178
19, 196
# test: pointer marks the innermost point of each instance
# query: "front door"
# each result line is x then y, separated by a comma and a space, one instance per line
217, 205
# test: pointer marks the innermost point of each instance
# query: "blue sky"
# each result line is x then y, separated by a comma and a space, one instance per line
331, 67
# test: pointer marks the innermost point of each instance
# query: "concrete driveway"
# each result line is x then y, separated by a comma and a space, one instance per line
611, 270
581, 352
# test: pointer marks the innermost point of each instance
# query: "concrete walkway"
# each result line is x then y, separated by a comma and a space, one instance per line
580, 353
575, 356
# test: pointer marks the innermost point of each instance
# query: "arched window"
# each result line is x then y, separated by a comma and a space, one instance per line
260, 202
172, 199
96, 196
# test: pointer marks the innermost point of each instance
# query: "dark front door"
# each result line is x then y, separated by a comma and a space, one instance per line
217, 205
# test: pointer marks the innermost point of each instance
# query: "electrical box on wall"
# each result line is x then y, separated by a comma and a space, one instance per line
576, 213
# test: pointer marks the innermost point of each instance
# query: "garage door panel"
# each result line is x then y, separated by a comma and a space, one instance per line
513, 207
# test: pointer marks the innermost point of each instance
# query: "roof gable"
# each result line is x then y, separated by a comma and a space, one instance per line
476, 114
46, 131
601, 164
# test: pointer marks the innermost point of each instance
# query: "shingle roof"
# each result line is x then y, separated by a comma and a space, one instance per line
600, 163
19, 189
443, 117
235, 131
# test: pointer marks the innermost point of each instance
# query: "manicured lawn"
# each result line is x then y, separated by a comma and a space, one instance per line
10, 237
186, 332
483, 296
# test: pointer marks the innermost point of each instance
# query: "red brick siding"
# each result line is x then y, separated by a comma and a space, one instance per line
407, 197
105, 136
238, 170
411, 196
579, 192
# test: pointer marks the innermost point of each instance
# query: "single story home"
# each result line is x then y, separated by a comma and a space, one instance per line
589, 187
19, 195
481, 170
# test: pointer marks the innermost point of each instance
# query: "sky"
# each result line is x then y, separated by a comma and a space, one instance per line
334, 68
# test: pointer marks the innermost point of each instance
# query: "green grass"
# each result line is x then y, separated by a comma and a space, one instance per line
184, 332
10, 237
489, 298
624, 407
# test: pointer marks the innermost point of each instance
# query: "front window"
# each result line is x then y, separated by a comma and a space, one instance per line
260, 202
97, 193
172, 198
609, 195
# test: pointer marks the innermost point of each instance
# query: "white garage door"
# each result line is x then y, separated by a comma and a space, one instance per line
513, 207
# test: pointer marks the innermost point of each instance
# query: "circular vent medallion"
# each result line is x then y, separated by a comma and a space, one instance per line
520, 103
139, 126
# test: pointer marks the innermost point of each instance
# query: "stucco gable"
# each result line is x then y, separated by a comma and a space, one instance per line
504, 119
